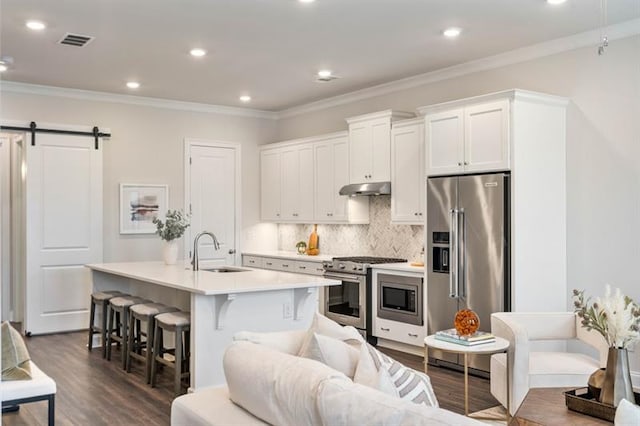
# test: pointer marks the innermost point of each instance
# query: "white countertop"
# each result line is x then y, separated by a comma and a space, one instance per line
211, 283
290, 255
403, 267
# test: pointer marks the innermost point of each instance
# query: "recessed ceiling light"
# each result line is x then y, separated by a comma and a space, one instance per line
36, 25
306, 1
324, 73
452, 32
3, 67
556, 1
245, 98
133, 84
197, 52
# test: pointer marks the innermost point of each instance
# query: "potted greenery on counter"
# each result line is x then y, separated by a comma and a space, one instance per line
170, 230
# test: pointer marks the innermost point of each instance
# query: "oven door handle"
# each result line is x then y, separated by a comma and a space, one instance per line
344, 277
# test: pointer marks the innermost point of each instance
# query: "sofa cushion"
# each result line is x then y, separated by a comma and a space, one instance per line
210, 406
276, 387
15, 356
39, 385
332, 352
391, 377
288, 342
345, 403
326, 327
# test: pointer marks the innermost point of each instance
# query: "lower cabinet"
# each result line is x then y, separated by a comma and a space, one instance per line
307, 267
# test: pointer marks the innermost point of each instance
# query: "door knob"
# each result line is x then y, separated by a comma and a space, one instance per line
232, 251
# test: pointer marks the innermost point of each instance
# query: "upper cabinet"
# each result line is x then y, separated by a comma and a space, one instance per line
370, 146
332, 173
296, 196
407, 172
473, 138
270, 184
300, 181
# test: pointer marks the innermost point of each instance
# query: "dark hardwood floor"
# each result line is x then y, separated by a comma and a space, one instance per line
93, 391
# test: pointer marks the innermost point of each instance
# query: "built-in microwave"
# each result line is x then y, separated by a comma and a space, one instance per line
400, 298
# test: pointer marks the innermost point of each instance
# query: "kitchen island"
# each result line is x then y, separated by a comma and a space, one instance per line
221, 303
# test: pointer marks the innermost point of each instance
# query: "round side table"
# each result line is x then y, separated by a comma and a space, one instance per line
499, 346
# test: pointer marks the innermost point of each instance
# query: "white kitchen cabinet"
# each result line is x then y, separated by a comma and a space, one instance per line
370, 146
331, 169
474, 138
297, 183
301, 180
407, 172
284, 263
270, 175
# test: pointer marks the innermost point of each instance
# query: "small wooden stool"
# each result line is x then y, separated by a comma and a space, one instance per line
178, 323
100, 298
117, 324
138, 314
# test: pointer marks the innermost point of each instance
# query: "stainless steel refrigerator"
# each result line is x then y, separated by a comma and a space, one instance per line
468, 253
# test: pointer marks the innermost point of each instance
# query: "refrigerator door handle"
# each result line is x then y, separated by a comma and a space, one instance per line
462, 276
453, 269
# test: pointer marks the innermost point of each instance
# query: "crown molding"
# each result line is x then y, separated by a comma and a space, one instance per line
89, 95
576, 41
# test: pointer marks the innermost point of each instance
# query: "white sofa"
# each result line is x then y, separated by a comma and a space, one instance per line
531, 368
268, 384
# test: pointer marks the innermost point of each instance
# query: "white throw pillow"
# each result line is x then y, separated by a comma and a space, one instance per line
284, 341
332, 352
627, 414
326, 327
381, 372
279, 388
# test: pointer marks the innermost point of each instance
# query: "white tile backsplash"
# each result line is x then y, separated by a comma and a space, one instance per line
378, 238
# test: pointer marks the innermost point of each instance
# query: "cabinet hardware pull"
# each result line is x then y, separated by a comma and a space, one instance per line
466, 163
412, 335
459, 164
285, 266
384, 329
269, 264
302, 267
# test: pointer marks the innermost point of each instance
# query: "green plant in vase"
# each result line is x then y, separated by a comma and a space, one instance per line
169, 230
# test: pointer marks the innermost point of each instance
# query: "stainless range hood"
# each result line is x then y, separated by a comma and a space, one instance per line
373, 188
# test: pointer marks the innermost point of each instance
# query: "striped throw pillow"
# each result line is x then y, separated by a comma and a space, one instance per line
408, 383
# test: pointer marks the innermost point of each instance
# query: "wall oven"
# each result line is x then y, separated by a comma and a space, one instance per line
400, 298
346, 303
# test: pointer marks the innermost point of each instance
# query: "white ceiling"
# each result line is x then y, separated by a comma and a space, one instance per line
271, 49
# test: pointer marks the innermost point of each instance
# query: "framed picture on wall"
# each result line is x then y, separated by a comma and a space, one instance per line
139, 205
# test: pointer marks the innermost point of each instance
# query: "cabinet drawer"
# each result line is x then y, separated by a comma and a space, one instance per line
252, 261
270, 263
400, 332
286, 265
311, 268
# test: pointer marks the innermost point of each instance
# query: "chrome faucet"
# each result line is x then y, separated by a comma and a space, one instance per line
216, 245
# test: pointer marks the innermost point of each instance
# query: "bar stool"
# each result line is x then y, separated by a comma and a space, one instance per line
100, 298
117, 324
178, 323
138, 314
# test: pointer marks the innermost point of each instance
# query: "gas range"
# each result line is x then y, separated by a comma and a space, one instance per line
356, 264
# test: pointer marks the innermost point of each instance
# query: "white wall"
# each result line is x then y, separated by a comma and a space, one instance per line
603, 150
147, 146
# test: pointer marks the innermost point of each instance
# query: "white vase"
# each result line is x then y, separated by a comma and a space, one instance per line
170, 252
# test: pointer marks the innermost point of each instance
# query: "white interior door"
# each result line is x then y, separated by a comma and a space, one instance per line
212, 188
63, 232
5, 225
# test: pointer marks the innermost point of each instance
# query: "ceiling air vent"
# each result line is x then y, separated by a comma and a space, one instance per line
326, 79
77, 40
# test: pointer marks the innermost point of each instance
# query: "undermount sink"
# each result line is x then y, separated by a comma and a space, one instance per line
221, 269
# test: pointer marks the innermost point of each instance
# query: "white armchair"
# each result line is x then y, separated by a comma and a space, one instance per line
536, 369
